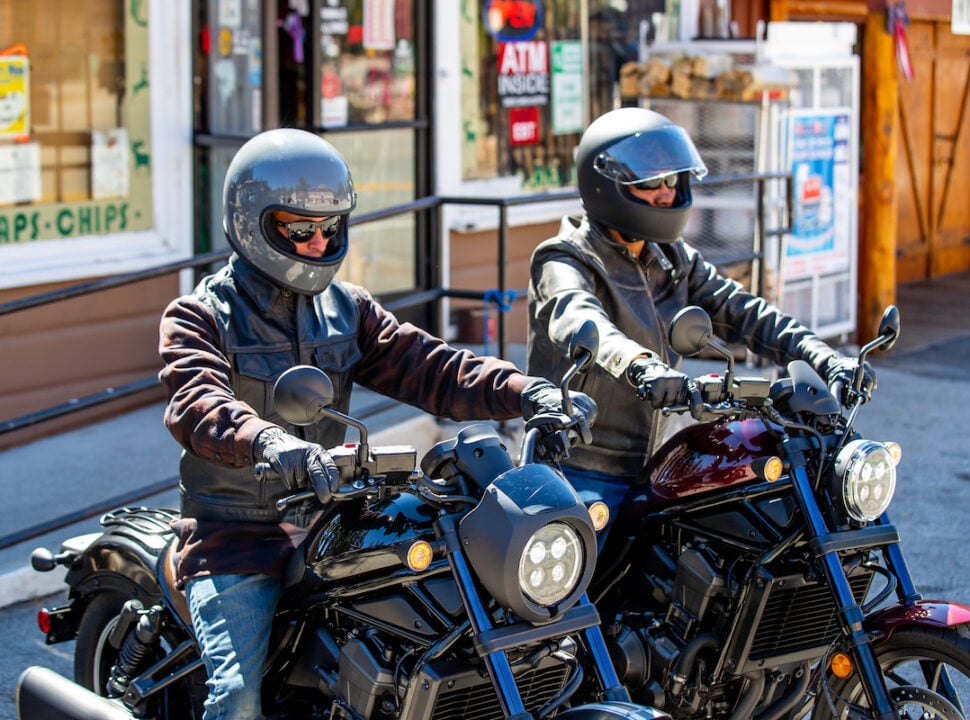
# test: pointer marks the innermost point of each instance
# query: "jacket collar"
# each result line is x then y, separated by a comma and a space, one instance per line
263, 291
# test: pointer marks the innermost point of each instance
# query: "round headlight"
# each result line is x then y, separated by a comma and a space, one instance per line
867, 470
551, 564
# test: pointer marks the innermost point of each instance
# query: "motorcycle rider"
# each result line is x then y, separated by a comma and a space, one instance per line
624, 265
287, 198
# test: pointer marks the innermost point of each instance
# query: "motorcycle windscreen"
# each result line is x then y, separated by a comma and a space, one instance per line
536, 488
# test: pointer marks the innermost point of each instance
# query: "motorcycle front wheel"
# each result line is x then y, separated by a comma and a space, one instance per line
94, 657
927, 671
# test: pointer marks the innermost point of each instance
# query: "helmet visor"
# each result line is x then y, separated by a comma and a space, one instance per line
651, 154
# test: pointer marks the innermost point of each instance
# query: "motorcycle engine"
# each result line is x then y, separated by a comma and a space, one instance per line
654, 654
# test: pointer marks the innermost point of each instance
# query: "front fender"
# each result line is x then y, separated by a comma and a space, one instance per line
925, 613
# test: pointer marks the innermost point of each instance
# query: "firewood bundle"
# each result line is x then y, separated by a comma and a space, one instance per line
703, 77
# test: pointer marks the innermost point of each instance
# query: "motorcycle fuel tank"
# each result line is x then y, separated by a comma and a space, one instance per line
706, 457
360, 542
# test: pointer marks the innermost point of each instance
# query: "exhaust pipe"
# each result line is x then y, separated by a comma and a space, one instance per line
42, 694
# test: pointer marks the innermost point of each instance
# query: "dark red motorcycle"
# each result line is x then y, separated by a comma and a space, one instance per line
755, 573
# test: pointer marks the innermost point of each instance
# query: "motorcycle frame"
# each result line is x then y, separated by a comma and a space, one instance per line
491, 642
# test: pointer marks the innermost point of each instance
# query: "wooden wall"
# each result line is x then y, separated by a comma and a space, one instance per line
474, 263
70, 349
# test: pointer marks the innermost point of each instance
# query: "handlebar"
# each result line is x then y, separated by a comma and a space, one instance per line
388, 465
722, 400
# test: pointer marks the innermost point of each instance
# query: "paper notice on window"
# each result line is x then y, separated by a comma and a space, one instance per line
19, 173
378, 24
14, 96
109, 163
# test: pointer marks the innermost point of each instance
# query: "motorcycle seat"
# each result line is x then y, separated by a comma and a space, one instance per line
169, 578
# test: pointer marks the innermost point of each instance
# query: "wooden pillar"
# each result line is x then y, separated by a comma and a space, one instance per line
879, 130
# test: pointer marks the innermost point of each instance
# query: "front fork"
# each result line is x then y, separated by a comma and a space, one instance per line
497, 662
859, 642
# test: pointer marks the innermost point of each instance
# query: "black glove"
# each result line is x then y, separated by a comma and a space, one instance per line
662, 386
842, 370
298, 463
541, 396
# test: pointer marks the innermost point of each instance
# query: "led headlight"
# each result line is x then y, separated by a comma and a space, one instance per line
531, 542
866, 473
550, 565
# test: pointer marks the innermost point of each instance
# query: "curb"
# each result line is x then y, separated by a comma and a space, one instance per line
25, 583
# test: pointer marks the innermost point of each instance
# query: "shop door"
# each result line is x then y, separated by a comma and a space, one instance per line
933, 173
353, 71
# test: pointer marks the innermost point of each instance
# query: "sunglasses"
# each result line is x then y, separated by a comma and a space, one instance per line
654, 183
302, 231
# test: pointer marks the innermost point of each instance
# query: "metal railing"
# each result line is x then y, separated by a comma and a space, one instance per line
431, 203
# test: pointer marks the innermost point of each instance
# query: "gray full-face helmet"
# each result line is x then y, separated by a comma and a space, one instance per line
627, 146
295, 171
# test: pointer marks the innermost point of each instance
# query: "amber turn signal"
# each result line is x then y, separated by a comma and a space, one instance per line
841, 665
599, 514
419, 556
768, 468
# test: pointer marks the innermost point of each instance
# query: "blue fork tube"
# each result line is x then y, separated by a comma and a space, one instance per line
906, 590
858, 639
499, 669
605, 672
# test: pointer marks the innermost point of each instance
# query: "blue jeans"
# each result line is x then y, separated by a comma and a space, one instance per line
232, 616
592, 486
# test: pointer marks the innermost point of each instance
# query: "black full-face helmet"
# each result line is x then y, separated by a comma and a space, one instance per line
295, 171
627, 146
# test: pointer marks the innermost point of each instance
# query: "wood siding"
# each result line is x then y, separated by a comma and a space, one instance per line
933, 165
474, 266
74, 348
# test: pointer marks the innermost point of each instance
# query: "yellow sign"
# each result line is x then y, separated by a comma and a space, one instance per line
225, 41
14, 96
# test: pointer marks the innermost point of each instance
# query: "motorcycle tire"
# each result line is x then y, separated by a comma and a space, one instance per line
94, 657
905, 657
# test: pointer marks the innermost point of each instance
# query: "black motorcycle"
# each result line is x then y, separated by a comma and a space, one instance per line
754, 573
457, 591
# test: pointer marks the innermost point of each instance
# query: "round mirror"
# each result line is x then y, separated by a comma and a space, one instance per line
301, 392
584, 345
889, 326
690, 331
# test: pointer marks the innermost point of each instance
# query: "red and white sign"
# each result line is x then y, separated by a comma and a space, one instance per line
524, 126
523, 73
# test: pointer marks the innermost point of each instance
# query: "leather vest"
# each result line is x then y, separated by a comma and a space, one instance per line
265, 330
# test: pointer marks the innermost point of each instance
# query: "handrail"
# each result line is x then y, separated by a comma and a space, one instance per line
432, 202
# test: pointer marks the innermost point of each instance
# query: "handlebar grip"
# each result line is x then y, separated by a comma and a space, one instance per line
836, 389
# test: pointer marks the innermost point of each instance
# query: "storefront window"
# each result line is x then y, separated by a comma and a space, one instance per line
75, 149
522, 90
365, 60
382, 253
530, 83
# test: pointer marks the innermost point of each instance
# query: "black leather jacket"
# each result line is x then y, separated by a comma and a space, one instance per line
224, 346
583, 273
